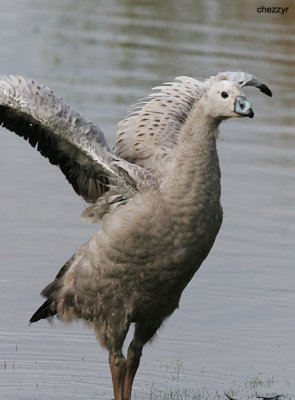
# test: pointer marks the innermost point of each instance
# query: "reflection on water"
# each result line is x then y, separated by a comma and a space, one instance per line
235, 324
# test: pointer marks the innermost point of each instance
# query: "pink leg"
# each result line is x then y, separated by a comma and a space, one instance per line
118, 370
132, 364
142, 334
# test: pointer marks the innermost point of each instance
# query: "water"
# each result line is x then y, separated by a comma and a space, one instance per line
235, 327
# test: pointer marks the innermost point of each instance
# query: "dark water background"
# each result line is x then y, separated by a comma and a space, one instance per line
235, 329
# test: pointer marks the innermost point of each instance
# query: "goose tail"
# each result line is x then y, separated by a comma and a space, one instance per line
47, 310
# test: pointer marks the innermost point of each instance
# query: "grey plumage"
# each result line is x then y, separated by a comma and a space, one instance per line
68, 140
157, 196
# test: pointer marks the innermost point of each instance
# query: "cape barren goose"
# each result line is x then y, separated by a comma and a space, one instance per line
157, 197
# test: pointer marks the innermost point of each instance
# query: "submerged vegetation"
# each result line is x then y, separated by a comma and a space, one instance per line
257, 387
206, 394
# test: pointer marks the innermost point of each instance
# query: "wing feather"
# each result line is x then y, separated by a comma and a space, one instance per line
151, 128
63, 136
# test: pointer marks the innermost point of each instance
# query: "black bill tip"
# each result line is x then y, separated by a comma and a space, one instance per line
250, 113
265, 89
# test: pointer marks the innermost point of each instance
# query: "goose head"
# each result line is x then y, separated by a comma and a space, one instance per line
225, 99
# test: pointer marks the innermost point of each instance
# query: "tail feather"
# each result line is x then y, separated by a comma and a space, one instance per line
48, 308
45, 311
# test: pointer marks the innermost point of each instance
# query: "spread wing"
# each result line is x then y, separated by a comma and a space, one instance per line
150, 131
68, 140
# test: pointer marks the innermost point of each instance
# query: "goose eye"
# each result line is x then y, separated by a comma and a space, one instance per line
224, 95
